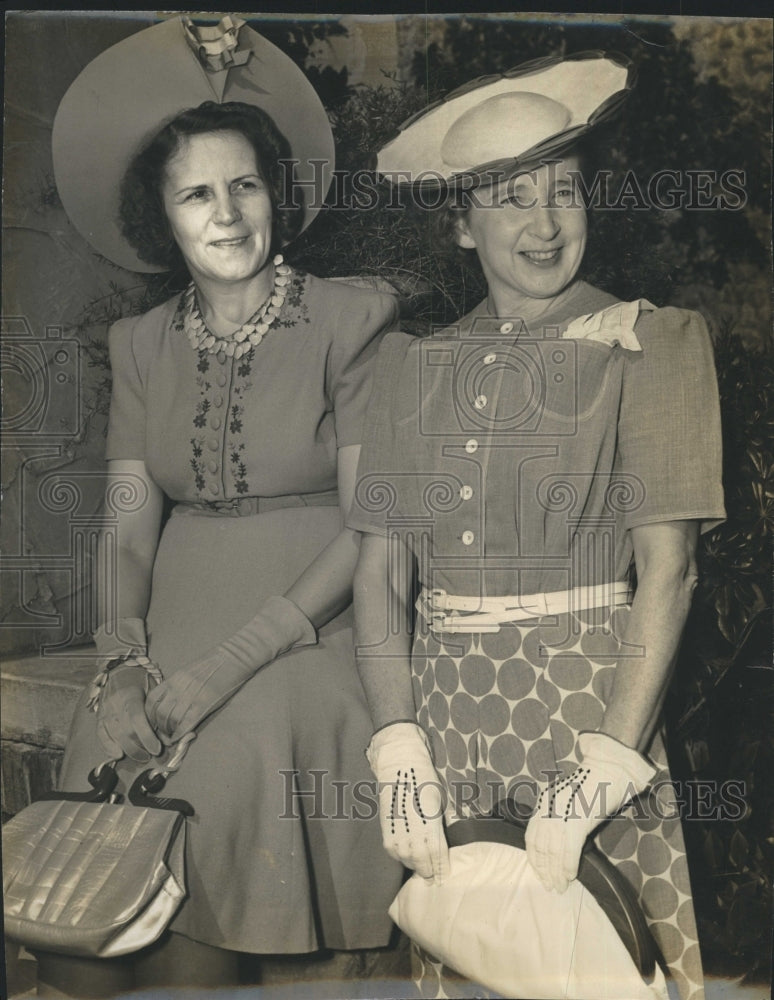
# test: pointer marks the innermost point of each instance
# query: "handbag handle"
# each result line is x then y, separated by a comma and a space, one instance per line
596, 874
146, 785
103, 780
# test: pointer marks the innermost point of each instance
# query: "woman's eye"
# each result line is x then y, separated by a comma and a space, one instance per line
197, 195
564, 195
519, 199
247, 185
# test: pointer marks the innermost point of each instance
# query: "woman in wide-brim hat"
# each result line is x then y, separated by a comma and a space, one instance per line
523, 461
242, 401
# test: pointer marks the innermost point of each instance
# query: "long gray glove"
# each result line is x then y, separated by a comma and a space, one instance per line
410, 799
570, 808
119, 688
181, 702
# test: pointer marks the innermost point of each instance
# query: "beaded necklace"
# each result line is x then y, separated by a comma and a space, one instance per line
250, 333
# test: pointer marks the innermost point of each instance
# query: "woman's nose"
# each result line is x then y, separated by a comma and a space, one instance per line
544, 222
226, 210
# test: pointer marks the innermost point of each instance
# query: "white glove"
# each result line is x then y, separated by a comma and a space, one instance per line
410, 799
569, 808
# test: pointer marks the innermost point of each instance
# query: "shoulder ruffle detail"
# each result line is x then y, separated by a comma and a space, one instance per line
611, 326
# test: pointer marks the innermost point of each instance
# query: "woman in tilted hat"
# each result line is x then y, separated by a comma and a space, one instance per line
523, 462
242, 401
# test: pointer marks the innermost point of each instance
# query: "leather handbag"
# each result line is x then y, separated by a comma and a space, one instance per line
90, 875
492, 921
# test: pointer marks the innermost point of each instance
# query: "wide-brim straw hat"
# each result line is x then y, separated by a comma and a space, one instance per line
127, 92
496, 125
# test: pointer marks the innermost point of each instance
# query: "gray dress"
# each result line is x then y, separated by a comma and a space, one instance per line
281, 856
515, 461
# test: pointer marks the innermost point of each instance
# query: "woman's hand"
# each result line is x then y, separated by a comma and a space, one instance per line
410, 792
122, 725
570, 808
664, 555
181, 702
410, 800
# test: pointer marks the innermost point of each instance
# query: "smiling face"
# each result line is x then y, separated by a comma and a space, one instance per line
218, 207
529, 233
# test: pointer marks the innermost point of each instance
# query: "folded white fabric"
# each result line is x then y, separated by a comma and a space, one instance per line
492, 921
614, 325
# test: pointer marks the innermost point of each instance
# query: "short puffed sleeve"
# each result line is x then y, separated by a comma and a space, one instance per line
669, 436
381, 464
363, 320
126, 424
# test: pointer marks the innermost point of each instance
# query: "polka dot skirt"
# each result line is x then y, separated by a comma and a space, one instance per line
503, 711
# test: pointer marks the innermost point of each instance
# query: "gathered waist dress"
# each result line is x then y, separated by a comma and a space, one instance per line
515, 460
280, 856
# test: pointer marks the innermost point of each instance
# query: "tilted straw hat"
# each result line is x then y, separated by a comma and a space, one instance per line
500, 123
124, 95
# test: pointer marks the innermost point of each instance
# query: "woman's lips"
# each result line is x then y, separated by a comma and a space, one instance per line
233, 242
541, 256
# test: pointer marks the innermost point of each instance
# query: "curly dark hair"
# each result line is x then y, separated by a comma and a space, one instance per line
141, 213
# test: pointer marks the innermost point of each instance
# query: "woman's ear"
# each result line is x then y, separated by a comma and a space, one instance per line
462, 235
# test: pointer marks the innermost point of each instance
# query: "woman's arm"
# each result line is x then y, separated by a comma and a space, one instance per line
126, 554
411, 799
383, 629
180, 703
123, 582
612, 770
325, 587
665, 557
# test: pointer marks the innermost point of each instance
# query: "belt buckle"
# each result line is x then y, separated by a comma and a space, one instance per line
246, 506
230, 508
439, 624
438, 600
438, 621
460, 624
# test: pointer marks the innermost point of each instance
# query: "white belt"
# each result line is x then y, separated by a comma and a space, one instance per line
486, 614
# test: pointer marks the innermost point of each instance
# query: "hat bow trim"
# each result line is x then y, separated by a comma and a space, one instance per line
217, 47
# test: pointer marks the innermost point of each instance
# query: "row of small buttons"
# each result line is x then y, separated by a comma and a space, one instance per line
216, 423
471, 446
489, 359
466, 492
